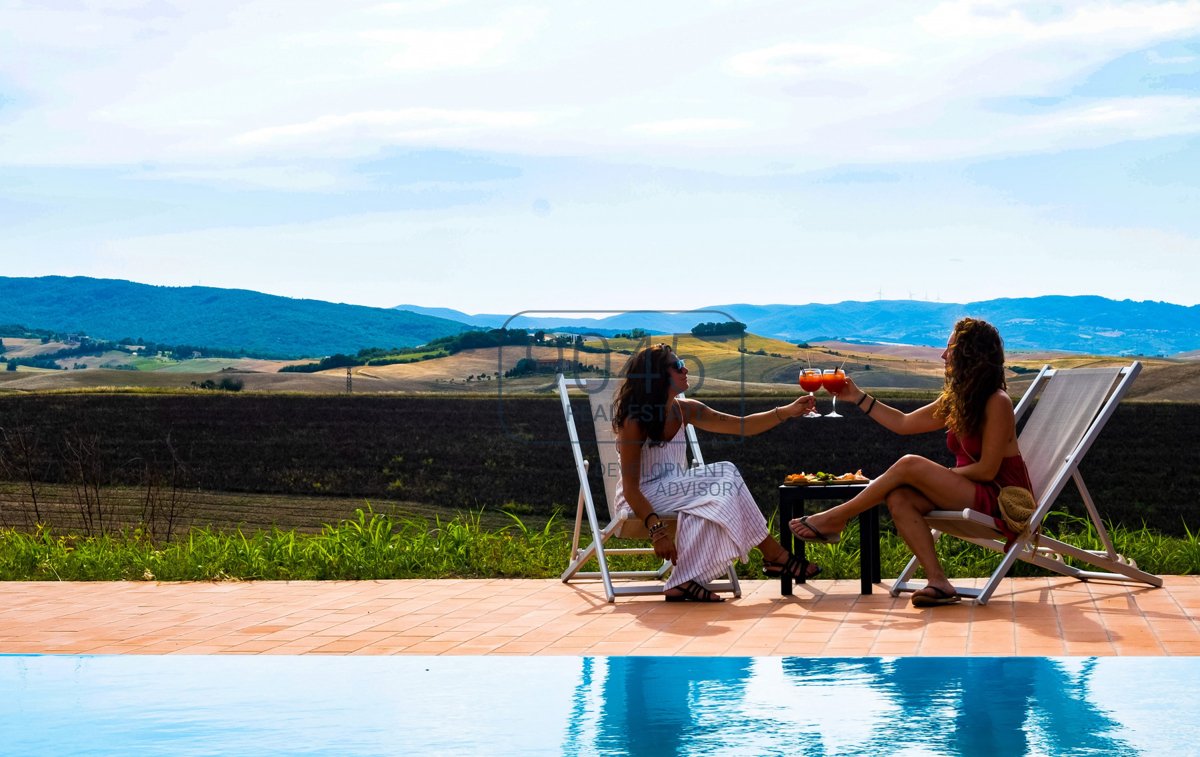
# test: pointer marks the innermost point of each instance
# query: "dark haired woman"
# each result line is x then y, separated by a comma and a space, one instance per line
718, 520
977, 414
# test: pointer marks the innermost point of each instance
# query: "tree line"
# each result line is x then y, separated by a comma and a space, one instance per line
81, 345
444, 346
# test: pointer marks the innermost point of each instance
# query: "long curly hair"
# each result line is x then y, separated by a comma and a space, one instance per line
974, 371
643, 395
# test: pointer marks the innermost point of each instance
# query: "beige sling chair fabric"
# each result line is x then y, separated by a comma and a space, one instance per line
600, 394
1066, 410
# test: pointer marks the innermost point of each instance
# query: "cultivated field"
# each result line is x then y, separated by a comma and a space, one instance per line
18, 347
458, 454
766, 367
451, 435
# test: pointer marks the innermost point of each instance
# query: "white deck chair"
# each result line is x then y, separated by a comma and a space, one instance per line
600, 400
1072, 407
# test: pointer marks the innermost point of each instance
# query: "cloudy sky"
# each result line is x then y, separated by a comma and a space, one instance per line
500, 156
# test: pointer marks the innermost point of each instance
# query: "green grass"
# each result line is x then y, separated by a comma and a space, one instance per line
401, 358
369, 546
376, 546
1152, 551
148, 363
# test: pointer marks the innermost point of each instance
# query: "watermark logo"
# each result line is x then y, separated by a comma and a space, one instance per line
588, 353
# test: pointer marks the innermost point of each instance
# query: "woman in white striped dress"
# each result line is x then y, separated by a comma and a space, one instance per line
718, 520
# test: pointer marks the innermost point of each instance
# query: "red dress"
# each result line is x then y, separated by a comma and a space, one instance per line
987, 494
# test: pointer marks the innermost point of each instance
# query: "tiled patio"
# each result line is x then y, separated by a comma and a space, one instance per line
1029, 616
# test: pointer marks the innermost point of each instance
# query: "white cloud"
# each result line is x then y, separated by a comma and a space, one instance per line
288, 178
802, 59
1159, 59
680, 126
1037, 21
1115, 120
770, 249
407, 125
291, 96
435, 49
750, 83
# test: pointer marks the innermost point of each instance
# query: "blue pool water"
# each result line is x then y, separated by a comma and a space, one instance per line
264, 705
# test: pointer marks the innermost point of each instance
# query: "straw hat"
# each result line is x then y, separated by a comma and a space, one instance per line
1016, 506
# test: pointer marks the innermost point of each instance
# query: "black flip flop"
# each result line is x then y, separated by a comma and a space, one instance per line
817, 537
942, 597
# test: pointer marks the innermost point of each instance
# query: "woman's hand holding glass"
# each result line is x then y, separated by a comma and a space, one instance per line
850, 392
800, 407
810, 381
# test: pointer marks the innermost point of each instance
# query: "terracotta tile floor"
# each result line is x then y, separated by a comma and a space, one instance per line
1028, 616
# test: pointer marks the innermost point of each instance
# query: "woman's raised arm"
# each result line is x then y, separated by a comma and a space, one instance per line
704, 417
922, 420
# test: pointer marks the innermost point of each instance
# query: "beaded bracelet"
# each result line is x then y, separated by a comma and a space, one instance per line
658, 530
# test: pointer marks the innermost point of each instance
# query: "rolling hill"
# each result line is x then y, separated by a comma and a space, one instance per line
1087, 324
717, 365
261, 324
279, 327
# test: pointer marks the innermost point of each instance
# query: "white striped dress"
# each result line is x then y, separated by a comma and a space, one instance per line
718, 519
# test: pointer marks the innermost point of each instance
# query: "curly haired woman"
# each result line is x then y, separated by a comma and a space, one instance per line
977, 414
718, 520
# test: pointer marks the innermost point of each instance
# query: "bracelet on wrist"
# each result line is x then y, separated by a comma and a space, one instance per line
861, 400
646, 520
871, 406
779, 417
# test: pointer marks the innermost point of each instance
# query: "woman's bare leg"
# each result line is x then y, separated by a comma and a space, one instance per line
772, 550
908, 508
774, 553
941, 486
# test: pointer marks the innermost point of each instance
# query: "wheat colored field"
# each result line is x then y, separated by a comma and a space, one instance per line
722, 365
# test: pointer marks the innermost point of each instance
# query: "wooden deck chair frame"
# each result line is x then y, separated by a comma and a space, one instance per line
600, 394
1073, 405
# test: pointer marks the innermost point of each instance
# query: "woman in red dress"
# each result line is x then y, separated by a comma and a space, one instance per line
977, 414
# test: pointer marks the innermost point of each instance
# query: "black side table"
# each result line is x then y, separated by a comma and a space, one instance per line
792, 501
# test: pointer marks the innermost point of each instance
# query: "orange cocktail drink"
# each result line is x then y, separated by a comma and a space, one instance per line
810, 381
834, 381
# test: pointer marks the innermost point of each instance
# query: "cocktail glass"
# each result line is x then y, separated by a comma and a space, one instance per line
810, 381
834, 381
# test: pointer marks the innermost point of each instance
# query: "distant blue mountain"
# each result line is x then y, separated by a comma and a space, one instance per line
1085, 324
602, 323
261, 324
280, 326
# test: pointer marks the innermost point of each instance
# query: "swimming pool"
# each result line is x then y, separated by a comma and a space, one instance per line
263, 705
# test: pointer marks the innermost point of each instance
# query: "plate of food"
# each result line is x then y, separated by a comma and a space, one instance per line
821, 478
